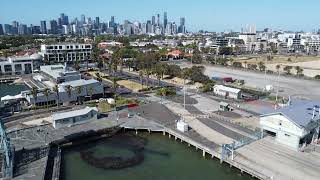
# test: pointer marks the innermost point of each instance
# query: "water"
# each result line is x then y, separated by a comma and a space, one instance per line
164, 159
11, 89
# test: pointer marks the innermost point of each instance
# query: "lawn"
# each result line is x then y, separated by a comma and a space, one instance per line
136, 87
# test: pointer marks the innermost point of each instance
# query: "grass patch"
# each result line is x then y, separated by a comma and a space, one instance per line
136, 87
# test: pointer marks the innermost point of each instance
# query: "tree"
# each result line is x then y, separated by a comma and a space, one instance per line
99, 78
90, 92
261, 66
46, 93
56, 90
185, 74
252, 66
79, 91
34, 93
237, 64
69, 89
196, 58
299, 70
287, 69
141, 78
225, 50
114, 84
278, 67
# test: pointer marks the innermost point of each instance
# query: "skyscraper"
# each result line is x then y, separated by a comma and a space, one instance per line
165, 20
182, 27
158, 19
97, 22
153, 21
64, 19
7, 29
1, 30
54, 27
43, 27
83, 19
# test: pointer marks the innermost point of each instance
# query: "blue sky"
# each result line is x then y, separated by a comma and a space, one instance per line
213, 15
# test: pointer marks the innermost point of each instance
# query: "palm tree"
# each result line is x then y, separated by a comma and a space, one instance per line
99, 78
147, 73
278, 67
185, 74
90, 92
141, 78
79, 91
299, 70
114, 84
69, 89
56, 90
34, 93
47, 92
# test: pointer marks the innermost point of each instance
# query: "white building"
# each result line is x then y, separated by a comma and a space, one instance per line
19, 65
66, 52
67, 119
294, 125
53, 75
228, 92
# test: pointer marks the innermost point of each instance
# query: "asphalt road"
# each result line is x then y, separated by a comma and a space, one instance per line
288, 86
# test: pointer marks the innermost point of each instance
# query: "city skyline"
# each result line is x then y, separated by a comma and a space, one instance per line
208, 15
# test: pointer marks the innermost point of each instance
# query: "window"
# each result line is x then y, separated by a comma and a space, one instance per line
7, 68
18, 67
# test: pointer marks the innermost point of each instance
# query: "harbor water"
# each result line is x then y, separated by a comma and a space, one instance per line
160, 158
11, 89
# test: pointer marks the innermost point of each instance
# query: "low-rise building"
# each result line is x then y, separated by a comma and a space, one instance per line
295, 125
19, 65
67, 119
227, 92
71, 87
66, 52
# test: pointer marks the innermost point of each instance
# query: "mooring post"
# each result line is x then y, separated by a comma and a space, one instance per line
175, 138
203, 153
164, 133
136, 132
149, 131
169, 136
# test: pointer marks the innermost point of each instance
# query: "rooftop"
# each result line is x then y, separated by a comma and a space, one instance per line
56, 71
74, 113
228, 89
301, 112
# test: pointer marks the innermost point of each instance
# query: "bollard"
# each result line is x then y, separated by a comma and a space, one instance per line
164, 133
203, 153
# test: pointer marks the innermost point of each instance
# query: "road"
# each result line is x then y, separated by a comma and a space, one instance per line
288, 86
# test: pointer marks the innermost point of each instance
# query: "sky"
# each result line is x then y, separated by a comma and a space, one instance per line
211, 15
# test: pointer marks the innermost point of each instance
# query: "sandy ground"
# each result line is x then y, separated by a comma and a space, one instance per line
131, 85
310, 68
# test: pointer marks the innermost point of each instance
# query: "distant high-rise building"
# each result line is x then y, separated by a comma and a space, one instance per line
64, 19
54, 27
22, 30
7, 29
149, 27
83, 19
1, 30
153, 21
182, 27
97, 21
15, 27
43, 27
158, 19
165, 20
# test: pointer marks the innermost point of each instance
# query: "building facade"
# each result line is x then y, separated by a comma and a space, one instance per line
19, 65
293, 126
66, 52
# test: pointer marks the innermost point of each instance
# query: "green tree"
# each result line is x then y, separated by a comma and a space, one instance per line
69, 89
47, 93
34, 93
287, 69
79, 91
261, 66
141, 78
299, 70
56, 90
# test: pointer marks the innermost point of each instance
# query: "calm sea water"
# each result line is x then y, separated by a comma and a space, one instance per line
13, 89
164, 159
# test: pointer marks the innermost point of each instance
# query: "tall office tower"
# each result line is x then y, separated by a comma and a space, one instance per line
54, 27
165, 20
22, 30
112, 21
149, 27
97, 22
153, 22
158, 19
43, 27
182, 27
1, 30
7, 29
83, 19
15, 27
64, 19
